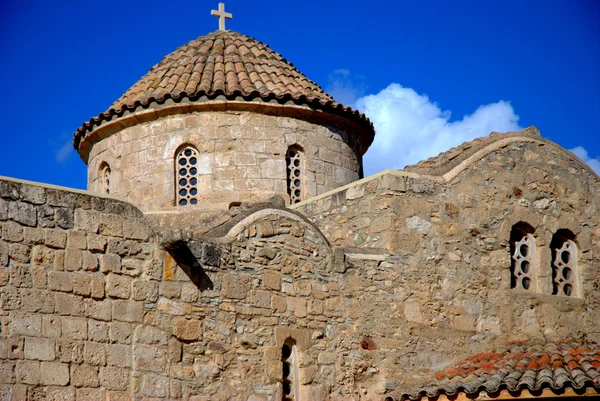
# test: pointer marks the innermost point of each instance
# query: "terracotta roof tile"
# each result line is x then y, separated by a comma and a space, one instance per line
223, 63
533, 366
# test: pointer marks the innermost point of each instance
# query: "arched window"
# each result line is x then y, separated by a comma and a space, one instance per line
104, 176
295, 159
290, 379
564, 263
186, 177
522, 251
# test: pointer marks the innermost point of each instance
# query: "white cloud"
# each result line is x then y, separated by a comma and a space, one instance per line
62, 154
594, 163
410, 127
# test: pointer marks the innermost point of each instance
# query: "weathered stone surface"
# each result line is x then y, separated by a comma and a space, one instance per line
54, 373
187, 329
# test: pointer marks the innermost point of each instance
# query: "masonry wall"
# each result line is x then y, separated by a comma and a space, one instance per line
242, 157
440, 289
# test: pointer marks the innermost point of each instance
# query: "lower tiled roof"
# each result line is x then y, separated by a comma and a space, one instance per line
535, 365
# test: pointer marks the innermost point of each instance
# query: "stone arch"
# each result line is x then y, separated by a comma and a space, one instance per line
564, 263
104, 178
186, 169
523, 258
290, 375
295, 160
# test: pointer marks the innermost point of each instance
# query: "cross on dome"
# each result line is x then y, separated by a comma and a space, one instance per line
222, 15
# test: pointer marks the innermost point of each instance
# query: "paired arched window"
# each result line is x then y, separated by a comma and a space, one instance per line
294, 160
186, 176
564, 263
522, 250
104, 175
525, 268
290, 379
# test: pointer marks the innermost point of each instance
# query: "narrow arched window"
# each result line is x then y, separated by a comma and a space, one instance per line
295, 159
564, 263
290, 379
104, 176
522, 250
186, 178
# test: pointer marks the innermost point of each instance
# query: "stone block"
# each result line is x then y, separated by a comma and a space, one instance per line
259, 298
43, 256
20, 276
98, 331
94, 354
118, 355
25, 324
110, 263
36, 301
114, 378
187, 329
73, 259
135, 229
84, 376
15, 346
12, 232
54, 374
97, 287
70, 351
74, 328
19, 253
118, 286
189, 292
60, 281
128, 311
99, 310
28, 372
54, 393
4, 277
82, 284
234, 286
89, 261
121, 333
150, 358
40, 349
149, 335
96, 243
23, 213
154, 386
91, 394
170, 289
272, 280
278, 304
38, 276
67, 304
4, 253
76, 239
55, 238
51, 326
7, 372
33, 236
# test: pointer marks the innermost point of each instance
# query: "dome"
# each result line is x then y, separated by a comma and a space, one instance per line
225, 65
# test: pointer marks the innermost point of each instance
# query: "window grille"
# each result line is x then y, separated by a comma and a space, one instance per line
522, 244
564, 263
290, 382
105, 178
294, 159
187, 176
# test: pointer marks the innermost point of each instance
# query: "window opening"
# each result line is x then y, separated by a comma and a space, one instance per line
522, 250
290, 382
186, 176
105, 178
294, 159
564, 263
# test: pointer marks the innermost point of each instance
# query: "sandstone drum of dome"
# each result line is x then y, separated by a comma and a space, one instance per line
241, 106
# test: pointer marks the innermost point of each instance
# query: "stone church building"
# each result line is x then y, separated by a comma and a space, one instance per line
229, 248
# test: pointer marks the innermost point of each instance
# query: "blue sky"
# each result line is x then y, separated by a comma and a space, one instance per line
430, 74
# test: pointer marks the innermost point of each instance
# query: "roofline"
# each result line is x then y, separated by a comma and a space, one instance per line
309, 109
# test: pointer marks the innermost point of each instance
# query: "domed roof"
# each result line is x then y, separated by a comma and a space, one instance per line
224, 64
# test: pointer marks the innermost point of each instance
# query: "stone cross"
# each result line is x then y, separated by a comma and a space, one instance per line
222, 15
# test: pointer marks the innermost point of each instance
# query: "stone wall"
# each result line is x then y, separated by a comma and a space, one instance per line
441, 288
242, 157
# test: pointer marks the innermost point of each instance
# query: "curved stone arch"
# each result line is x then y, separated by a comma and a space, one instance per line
501, 143
240, 226
179, 140
106, 158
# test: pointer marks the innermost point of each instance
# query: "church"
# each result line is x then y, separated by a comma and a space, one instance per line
229, 248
